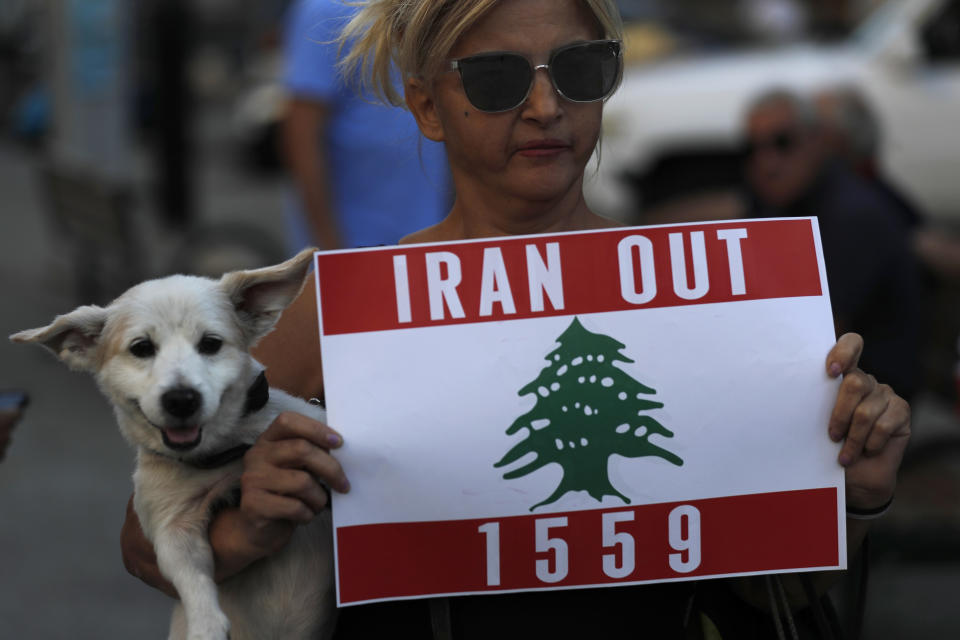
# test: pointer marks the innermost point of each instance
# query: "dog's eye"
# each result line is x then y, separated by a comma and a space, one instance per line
209, 345
143, 349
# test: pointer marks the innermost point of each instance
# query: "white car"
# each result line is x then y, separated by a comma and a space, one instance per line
676, 126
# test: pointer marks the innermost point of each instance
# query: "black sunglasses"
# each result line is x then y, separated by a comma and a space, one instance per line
501, 80
782, 142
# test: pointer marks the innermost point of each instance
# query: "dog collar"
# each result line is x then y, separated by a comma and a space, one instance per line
222, 458
257, 395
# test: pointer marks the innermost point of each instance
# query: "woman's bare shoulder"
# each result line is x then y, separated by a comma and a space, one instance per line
433, 233
601, 222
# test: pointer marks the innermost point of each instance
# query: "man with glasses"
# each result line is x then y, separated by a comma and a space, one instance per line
872, 275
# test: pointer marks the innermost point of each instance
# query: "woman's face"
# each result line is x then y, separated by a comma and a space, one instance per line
536, 152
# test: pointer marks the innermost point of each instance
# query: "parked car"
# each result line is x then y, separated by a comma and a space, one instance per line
674, 128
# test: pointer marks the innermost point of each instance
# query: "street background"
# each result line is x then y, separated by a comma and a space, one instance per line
66, 478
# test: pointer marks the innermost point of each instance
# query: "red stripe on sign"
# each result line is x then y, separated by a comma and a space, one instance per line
565, 274
741, 534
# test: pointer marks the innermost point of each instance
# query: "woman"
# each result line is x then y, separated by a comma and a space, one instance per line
517, 148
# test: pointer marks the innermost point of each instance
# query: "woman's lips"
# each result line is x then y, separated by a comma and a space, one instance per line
542, 148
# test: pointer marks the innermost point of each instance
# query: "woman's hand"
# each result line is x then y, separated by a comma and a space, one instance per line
873, 423
285, 478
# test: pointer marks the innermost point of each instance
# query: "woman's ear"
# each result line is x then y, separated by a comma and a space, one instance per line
423, 106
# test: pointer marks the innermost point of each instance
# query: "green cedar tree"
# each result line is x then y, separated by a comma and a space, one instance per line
586, 410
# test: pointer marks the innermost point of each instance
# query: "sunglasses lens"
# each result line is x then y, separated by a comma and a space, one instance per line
495, 82
583, 72
586, 72
782, 143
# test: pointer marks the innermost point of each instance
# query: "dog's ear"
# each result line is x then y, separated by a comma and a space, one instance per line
73, 337
260, 295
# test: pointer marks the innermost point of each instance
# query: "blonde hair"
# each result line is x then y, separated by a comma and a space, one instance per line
417, 35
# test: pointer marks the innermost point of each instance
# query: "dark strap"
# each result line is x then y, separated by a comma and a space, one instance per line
440, 619
220, 459
257, 395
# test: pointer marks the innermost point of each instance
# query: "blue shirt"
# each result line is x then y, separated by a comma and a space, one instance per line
386, 179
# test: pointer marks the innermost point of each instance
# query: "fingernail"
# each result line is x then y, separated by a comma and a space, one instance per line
845, 459
835, 370
836, 437
334, 440
344, 486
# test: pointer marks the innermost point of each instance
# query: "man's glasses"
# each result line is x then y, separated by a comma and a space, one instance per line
782, 142
502, 80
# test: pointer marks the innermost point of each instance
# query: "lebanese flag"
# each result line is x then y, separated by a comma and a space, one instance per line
581, 409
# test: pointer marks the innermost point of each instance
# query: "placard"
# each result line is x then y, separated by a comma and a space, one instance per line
582, 409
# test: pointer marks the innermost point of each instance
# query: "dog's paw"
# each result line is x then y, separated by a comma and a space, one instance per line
211, 628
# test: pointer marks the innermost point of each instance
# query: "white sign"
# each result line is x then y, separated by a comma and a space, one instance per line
612, 407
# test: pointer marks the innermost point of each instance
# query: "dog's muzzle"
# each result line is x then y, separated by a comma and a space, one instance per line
180, 433
181, 404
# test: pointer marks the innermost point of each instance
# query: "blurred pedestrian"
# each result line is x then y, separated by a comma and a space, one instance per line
12, 406
170, 25
362, 175
8, 420
872, 274
850, 130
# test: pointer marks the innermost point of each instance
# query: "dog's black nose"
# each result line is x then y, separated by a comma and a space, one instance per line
182, 402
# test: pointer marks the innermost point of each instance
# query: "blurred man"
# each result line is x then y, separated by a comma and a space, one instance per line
363, 176
851, 132
873, 279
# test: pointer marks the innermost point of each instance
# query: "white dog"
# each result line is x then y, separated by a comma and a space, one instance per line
172, 355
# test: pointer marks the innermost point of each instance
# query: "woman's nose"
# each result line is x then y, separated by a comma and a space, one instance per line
543, 103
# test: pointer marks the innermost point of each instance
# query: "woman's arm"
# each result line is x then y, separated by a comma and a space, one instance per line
138, 554
232, 551
291, 352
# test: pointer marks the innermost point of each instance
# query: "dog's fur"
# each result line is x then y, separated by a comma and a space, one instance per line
180, 398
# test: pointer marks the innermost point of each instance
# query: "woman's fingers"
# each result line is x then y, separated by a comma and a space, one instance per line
856, 387
859, 404
893, 422
845, 354
298, 442
298, 453
291, 483
293, 425
267, 506
287, 470
866, 416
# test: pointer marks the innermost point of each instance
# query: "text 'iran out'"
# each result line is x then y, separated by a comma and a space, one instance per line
544, 282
